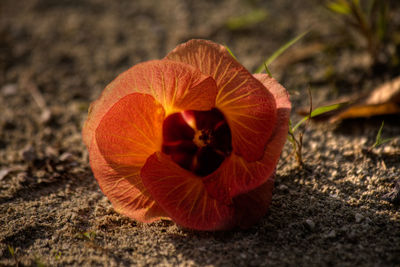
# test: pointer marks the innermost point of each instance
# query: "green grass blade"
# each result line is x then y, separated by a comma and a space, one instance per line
230, 52
325, 109
11, 250
378, 140
280, 51
291, 133
384, 141
379, 135
290, 126
299, 123
340, 8
247, 20
319, 111
267, 70
370, 5
382, 21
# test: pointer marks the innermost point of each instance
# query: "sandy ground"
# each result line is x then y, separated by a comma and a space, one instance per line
57, 56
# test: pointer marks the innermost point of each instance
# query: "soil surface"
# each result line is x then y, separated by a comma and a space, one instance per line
57, 56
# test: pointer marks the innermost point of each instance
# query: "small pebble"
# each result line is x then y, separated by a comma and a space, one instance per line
9, 89
45, 116
66, 156
283, 187
51, 152
28, 154
331, 234
310, 224
358, 217
4, 173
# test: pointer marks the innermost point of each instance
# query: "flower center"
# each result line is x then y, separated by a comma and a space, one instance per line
198, 141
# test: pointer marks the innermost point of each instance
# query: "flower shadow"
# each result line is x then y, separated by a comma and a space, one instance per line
314, 219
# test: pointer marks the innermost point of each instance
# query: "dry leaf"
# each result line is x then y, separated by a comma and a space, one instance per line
384, 100
387, 92
394, 195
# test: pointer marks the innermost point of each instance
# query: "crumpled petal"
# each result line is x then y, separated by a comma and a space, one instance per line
131, 130
124, 188
252, 206
177, 86
249, 109
182, 195
127, 135
278, 139
236, 176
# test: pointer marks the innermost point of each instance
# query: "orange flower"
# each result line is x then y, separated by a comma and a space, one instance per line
193, 137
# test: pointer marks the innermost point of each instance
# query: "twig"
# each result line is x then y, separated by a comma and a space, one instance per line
38, 98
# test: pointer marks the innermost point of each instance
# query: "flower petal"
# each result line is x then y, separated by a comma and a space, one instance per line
177, 86
126, 136
248, 107
124, 188
283, 106
252, 206
131, 130
182, 195
238, 176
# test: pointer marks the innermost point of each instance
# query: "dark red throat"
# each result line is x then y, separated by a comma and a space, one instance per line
198, 141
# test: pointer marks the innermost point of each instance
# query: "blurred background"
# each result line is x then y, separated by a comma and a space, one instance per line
57, 56
69, 50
